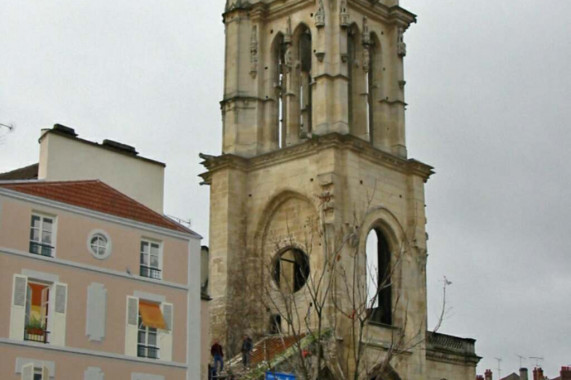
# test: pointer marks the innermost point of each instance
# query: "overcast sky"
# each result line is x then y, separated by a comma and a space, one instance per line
489, 91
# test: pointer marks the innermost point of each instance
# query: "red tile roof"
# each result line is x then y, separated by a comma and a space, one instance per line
95, 195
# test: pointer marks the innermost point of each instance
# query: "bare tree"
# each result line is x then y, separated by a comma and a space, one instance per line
336, 293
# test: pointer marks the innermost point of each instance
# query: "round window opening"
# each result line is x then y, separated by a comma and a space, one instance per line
99, 245
291, 270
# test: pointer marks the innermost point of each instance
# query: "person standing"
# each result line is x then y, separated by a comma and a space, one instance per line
218, 355
247, 346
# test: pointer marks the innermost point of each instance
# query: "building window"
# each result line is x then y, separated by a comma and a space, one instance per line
291, 270
99, 244
379, 278
37, 311
42, 233
147, 346
150, 259
34, 372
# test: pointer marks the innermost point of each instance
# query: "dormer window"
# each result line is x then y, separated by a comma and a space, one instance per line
42, 235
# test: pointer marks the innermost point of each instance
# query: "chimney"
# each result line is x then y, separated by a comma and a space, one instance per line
565, 373
488, 374
538, 373
523, 374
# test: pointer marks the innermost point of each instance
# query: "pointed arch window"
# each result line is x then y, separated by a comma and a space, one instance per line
379, 281
305, 79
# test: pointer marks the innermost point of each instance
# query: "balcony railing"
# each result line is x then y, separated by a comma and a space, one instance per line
150, 272
41, 249
36, 334
150, 352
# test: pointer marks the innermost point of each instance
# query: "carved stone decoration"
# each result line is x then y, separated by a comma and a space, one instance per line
327, 196
288, 33
401, 45
236, 4
343, 14
254, 52
320, 16
366, 59
366, 33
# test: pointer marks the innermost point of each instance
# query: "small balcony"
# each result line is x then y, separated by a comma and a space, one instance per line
41, 249
150, 272
150, 352
36, 334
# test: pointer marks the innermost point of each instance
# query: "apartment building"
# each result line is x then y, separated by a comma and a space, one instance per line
96, 285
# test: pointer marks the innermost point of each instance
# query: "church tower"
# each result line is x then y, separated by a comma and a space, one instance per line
313, 165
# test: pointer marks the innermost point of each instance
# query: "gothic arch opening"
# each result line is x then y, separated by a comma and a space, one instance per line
379, 277
305, 55
278, 66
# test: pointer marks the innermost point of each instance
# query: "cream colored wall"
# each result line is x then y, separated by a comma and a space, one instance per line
118, 289
73, 232
71, 245
66, 158
72, 366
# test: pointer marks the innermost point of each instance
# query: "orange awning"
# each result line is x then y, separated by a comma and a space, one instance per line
151, 315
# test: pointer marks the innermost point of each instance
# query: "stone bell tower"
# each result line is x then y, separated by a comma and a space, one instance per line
313, 161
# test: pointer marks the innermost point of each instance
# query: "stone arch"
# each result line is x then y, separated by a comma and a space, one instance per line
277, 82
383, 371
288, 220
390, 246
299, 61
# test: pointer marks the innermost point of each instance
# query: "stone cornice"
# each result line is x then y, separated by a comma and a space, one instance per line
311, 147
445, 356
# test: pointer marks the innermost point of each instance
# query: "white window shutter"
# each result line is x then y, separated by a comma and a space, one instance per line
45, 373
18, 312
131, 326
58, 320
166, 336
28, 371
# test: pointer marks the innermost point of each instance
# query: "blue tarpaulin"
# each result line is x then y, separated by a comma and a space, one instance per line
279, 376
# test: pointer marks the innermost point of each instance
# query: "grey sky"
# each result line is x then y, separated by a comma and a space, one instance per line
488, 87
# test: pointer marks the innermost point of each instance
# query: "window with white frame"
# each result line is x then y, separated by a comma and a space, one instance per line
147, 345
99, 244
34, 372
42, 235
149, 329
38, 311
150, 262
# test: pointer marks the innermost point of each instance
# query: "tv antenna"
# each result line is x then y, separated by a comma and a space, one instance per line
537, 360
499, 367
521, 359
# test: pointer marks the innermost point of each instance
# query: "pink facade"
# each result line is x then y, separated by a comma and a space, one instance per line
80, 310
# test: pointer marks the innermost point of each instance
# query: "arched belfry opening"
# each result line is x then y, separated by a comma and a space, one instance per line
379, 277
297, 94
278, 73
305, 79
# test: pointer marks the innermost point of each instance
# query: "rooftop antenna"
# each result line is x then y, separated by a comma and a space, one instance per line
499, 367
537, 360
521, 359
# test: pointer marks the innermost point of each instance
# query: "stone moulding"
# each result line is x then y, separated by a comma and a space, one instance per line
311, 147
450, 349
